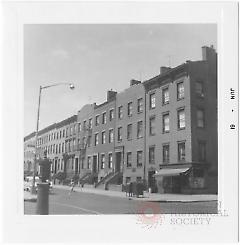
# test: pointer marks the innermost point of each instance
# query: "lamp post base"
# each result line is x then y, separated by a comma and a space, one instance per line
43, 199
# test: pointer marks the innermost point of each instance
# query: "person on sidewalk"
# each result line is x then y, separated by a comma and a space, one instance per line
72, 187
130, 193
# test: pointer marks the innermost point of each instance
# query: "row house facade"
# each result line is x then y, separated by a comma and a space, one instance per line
162, 131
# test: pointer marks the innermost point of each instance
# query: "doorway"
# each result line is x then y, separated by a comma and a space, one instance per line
151, 180
94, 167
76, 165
118, 161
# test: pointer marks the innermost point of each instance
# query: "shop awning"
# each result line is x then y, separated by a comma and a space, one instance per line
171, 172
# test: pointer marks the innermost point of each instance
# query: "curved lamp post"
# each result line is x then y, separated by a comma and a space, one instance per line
71, 86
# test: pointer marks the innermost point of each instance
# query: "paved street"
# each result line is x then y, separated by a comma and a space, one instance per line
61, 202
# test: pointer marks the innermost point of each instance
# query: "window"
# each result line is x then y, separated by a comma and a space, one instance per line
202, 151
152, 101
59, 148
104, 118
139, 158
120, 112
84, 141
181, 151
73, 127
152, 155
90, 123
103, 137
129, 131
130, 108
89, 141
71, 130
56, 149
128, 180
111, 115
129, 159
139, 129
96, 139
140, 105
60, 135
110, 160
102, 161
199, 89
165, 96
84, 125
139, 179
181, 119
200, 118
110, 135
120, 134
63, 147
152, 125
166, 153
180, 91
166, 123
79, 127
97, 120
76, 128
89, 162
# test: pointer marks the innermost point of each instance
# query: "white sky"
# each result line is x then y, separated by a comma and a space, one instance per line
97, 58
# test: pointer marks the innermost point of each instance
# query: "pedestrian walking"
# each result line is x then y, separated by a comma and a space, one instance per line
130, 193
72, 187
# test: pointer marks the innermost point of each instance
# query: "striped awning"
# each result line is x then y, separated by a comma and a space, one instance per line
171, 172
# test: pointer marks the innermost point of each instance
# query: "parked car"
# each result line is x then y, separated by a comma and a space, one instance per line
29, 182
50, 184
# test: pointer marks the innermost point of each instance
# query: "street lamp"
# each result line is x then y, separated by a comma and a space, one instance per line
71, 86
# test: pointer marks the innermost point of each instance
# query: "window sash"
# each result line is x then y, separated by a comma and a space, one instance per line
181, 119
181, 151
152, 126
152, 101
180, 90
129, 131
200, 118
165, 96
166, 123
139, 129
129, 159
151, 155
166, 154
140, 105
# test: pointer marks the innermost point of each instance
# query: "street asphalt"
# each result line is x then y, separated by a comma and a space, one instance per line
62, 202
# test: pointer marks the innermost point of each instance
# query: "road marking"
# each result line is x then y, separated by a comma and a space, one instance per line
76, 207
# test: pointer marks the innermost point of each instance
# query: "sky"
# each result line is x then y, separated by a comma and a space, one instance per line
99, 57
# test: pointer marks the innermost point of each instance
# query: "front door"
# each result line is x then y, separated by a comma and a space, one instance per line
151, 181
76, 165
55, 166
94, 168
118, 161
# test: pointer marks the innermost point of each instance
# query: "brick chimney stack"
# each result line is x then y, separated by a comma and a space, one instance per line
111, 95
164, 69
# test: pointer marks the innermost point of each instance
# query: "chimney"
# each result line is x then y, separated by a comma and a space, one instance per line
208, 53
164, 69
111, 95
134, 82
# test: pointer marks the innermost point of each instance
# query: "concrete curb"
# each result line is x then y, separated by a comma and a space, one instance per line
122, 195
33, 199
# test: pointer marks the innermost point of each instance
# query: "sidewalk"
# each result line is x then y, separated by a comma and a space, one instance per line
157, 197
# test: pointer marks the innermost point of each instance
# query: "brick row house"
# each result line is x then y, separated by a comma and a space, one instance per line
162, 131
